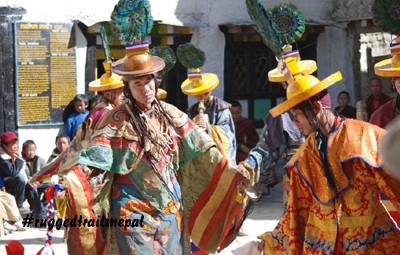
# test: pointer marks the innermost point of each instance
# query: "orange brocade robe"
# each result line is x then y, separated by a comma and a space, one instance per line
353, 221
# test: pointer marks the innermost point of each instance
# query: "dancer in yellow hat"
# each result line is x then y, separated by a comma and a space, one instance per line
279, 132
210, 113
335, 179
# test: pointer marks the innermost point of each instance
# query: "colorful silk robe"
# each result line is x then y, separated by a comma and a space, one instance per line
353, 221
222, 127
207, 182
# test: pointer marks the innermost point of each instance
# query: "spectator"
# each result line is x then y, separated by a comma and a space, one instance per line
33, 162
33, 165
12, 170
76, 118
344, 108
390, 110
62, 143
245, 132
377, 97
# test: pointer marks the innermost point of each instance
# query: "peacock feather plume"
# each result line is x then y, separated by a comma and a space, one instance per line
387, 15
131, 20
263, 23
190, 56
166, 53
288, 22
281, 25
104, 39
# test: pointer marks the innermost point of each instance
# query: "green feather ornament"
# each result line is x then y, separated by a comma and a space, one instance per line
131, 20
166, 53
104, 40
278, 26
190, 56
387, 15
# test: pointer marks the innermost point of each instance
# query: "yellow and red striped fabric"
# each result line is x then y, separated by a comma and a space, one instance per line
213, 215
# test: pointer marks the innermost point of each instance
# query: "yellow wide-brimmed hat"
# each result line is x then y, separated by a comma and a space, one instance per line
161, 94
108, 81
305, 66
137, 61
390, 67
301, 87
199, 83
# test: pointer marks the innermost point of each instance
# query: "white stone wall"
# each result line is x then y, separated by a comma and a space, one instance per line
379, 45
334, 53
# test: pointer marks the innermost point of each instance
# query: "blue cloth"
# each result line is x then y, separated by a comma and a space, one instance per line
1, 182
73, 122
279, 132
160, 232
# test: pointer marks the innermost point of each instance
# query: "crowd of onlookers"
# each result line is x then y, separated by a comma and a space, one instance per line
19, 195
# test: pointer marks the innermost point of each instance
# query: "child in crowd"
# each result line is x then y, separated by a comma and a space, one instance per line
75, 119
12, 170
33, 162
344, 108
62, 143
33, 165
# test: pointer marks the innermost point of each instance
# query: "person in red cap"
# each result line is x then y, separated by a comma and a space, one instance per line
12, 170
335, 179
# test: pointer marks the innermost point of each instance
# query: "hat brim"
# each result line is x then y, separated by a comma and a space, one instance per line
301, 97
156, 65
97, 86
384, 68
209, 81
305, 67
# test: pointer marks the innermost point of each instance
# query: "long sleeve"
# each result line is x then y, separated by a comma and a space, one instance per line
225, 122
8, 169
69, 127
259, 159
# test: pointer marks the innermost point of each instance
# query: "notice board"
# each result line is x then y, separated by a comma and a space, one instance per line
45, 71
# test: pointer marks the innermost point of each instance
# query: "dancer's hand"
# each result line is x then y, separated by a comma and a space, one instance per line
34, 184
60, 194
243, 183
261, 244
200, 121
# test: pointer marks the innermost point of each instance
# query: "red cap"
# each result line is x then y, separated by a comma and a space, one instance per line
8, 137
